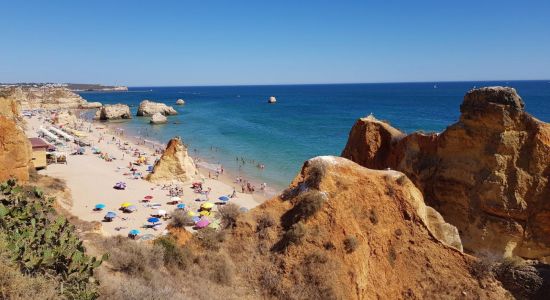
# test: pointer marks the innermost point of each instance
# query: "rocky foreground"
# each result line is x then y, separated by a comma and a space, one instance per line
488, 174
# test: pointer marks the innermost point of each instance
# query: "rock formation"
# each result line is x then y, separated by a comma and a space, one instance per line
113, 112
158, 118
488, 174
174, 164
65, 118
47, 97
149, 108
341, 231
91, 105
272, 100
15, 149
180, 102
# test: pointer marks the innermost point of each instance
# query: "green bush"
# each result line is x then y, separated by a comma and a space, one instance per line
175, 255
309, 203
42, 243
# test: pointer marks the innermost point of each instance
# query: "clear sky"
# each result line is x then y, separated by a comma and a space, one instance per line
206, 42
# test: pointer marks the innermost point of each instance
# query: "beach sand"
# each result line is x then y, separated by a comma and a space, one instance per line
91, 180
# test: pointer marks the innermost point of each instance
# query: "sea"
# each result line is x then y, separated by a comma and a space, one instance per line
235, 126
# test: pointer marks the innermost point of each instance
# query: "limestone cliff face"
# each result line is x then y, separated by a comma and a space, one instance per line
149, 108
47, 97
342, 231
174, 164
113, 112
15, 149
488, 174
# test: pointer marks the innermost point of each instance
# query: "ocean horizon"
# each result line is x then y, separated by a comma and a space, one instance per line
229, 123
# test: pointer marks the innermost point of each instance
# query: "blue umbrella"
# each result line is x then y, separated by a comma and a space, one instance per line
180, 206
224, 198
135, 232
100, 206
196, 219
153, 220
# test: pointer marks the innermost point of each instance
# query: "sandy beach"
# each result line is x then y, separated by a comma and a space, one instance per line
91, 179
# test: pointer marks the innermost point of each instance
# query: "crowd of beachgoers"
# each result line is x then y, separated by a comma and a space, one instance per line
105, 172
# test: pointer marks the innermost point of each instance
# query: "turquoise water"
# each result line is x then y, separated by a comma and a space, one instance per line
225, 122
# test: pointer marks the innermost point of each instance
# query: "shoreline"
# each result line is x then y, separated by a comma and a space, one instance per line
204, 165
90, 179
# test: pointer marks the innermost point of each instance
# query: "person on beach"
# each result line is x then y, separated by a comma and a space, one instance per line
234, 194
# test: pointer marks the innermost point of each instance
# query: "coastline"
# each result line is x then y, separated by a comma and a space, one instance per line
90, 180
204, 165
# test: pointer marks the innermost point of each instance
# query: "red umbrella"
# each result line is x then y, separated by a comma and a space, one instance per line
148, 197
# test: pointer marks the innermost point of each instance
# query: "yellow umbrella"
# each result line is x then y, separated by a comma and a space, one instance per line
191, 213
207, 205
126, 204
204, 213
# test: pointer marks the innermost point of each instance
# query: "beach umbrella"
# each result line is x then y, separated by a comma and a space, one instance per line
207, 205
110, 215
204, 213
134, 232
153, 220
196, 219
191, 213
148, 197
180, 206
161, 212
125, 204
130, 208
202, 223
100, 206
175, 199
224, 198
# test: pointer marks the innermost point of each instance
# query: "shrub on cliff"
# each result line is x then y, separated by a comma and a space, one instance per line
44, 244
229, 212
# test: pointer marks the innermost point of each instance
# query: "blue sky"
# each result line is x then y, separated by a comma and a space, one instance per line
272, 42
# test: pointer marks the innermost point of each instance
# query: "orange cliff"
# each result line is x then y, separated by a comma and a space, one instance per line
488, 174
15, 149
342, 231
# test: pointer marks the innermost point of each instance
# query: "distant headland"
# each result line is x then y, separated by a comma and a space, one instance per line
75, 87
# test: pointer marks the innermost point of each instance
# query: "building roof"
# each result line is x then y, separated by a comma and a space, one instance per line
38, 143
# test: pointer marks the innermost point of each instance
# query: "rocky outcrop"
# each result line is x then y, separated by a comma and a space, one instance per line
9, 107
180, 102
91, 105
15, 151
488, 174
158, 118
46, 97
272, 100
113, 112
174, 164
65, 118
342, 231
149, 108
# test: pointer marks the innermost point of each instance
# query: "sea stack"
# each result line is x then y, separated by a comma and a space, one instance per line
174, 164
487, 174
180, 102
113, 112
272, 100
158, 118
148, 108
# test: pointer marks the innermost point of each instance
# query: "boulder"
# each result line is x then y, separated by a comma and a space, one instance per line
149, 108
15, 151
158, 118
180, 102
488, 174
113, 112
272, 100
174, 164
342, 231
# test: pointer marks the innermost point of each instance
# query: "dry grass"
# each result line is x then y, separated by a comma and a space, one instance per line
351, 244
180, 219
230, 213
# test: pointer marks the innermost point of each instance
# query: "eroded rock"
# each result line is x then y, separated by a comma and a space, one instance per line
113, 112
174, 164
487, 174
149, 108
